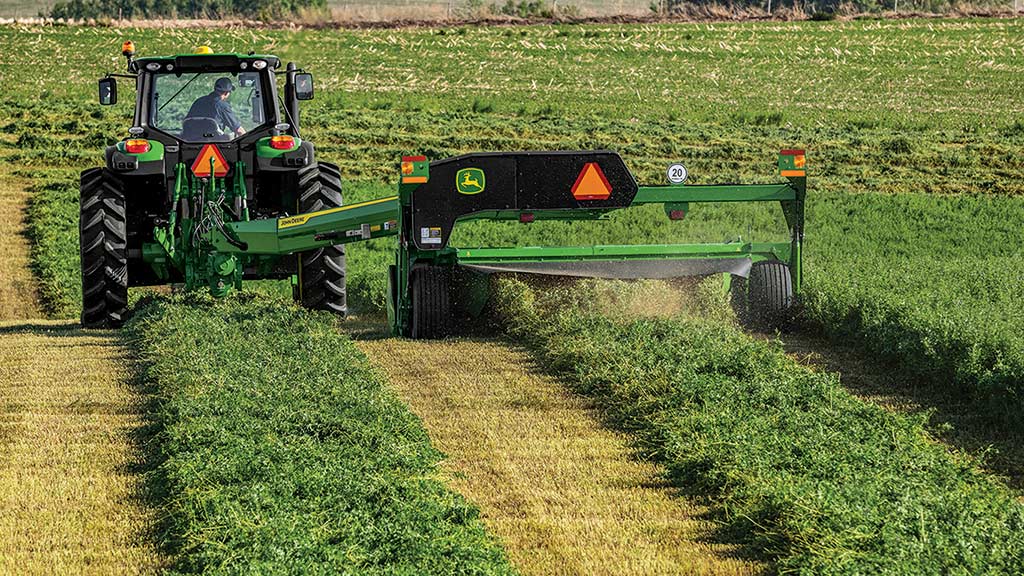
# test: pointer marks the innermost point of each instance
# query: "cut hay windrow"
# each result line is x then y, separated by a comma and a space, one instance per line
824, 482
280, 450
54, 246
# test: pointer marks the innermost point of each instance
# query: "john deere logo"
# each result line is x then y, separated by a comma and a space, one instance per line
470, 181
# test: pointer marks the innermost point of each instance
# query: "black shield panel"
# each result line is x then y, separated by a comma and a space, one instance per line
522, 181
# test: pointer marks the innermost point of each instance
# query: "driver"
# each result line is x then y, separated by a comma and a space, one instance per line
215, 105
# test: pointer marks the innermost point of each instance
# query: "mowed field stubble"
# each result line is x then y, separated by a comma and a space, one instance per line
563, 494
71, 489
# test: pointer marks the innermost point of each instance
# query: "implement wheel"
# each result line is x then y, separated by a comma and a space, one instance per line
321, 271
769, 295
431, 302
102, 238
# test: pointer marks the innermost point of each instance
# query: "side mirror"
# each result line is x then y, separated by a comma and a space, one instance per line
108, 91
304, 86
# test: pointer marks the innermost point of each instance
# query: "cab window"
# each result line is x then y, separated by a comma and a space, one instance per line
207, 106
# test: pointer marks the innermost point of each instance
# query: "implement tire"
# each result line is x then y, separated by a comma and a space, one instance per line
431, 302
321, 271
102, 235
769, 295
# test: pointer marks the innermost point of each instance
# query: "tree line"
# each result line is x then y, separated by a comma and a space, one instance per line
139, 9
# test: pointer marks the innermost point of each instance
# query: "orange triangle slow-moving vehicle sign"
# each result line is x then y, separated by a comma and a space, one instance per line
591, 184
201, 167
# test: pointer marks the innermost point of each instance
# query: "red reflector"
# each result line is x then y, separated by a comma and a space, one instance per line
526, 217
136, 146
791, 153
676, 214
414, 158
282, 142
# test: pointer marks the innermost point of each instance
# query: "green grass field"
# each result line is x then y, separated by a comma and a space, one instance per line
24, 8
916, 193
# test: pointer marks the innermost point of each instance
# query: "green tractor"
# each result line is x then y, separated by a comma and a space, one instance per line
211, 144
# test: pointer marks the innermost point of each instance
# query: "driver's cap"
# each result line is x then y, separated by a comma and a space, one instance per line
223, 85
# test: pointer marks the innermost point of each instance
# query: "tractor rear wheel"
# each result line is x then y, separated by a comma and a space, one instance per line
431, 287
102, 247
769, 294
321, 271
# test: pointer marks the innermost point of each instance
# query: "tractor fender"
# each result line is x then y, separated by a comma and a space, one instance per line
287, 161
121, 162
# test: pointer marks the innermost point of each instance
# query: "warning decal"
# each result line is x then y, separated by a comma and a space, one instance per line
430, 235
591, 184
201, 167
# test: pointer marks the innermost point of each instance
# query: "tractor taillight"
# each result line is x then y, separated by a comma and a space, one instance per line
282, 142
136, 146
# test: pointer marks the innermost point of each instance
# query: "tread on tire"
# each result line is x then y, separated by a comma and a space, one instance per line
102, 228
769, 294
431, 302
321, 271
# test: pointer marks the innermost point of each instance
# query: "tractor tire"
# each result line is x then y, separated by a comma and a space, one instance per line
769, 295
102, 228
322, 271
431, 288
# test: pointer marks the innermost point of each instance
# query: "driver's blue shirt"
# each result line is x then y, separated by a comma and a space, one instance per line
211, 106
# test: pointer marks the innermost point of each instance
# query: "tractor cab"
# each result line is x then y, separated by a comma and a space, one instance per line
200, 98
214, 106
